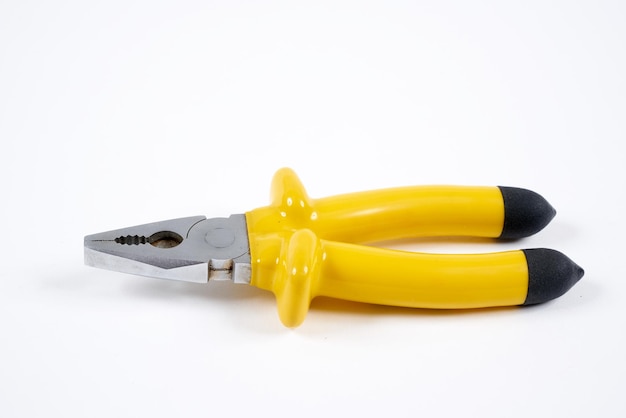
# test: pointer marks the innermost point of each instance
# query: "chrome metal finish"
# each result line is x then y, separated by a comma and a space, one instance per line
193, 249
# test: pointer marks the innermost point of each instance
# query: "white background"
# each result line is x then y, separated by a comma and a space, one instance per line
124, 112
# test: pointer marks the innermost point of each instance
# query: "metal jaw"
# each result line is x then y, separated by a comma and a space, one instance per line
194, 249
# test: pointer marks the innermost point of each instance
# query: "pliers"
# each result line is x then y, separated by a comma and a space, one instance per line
299, 248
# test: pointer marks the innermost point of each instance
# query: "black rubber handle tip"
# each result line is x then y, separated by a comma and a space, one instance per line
550, 275
525, 212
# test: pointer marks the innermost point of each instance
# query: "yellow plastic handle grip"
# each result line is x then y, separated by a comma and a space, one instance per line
417, 211
399, 278
295, 253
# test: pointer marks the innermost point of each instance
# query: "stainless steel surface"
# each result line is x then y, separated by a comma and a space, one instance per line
194, 249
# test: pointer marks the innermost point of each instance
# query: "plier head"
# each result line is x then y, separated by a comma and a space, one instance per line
190, 249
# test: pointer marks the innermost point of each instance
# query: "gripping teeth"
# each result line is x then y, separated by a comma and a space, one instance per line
132, 240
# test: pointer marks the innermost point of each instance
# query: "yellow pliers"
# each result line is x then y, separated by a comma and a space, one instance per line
299, 248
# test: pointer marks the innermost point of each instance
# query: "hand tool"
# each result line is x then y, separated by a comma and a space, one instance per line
299, 248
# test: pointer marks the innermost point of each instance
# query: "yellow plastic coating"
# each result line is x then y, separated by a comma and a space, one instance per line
295, 253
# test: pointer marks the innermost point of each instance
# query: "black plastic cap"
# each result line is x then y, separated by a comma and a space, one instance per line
525, 212
550, 275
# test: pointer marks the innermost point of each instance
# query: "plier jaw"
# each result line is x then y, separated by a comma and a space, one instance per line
192, 249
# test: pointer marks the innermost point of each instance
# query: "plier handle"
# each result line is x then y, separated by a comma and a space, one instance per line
299, 248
